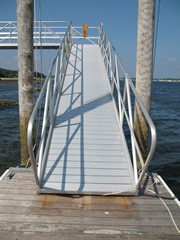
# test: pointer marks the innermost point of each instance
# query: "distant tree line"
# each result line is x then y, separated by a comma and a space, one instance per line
6, 73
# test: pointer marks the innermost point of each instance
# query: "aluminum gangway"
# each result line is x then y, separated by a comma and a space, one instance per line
87, 143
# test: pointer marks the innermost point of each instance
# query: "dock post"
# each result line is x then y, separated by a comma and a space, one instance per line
144, 73
25, 10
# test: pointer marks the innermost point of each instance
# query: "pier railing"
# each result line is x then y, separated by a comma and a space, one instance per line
125, 95
40, 127
46, 34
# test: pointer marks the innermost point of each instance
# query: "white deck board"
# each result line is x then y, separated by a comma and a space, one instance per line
87, 153
53, 159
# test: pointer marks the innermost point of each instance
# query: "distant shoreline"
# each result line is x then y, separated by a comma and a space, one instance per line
8, 79
122, 79
158, 80
16, 79
168, 80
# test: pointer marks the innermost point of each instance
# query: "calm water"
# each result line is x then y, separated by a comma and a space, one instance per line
165, 114
166, 117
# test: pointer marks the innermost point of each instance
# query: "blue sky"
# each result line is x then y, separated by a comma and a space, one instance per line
120, 21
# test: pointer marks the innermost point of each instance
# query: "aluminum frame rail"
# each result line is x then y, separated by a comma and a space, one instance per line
114, 68
48, 99
47, 34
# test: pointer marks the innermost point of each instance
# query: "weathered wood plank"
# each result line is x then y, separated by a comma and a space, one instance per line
83, 220
105, 200
66, 233
92, 206
123, 213
142, 217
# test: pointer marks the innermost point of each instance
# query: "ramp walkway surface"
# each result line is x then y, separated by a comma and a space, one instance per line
88, 152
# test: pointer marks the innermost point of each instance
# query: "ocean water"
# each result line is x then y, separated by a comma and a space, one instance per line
9, 128
165, 114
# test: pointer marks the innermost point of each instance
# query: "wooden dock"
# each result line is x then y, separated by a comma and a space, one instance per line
26, 215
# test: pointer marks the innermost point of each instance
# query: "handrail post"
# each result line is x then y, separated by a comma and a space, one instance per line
132, 127
30, 147
117, 77
60, 77
40, 39
56, 73
50, 102
10, 33
150, 155
123, 103
100, 33
43, 130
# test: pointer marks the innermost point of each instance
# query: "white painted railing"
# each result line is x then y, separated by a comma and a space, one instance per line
125, 97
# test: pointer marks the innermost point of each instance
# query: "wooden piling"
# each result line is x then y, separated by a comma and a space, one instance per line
25, 71
144, 63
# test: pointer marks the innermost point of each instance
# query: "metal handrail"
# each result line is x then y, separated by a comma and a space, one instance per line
49, 99
113, 65
43, 30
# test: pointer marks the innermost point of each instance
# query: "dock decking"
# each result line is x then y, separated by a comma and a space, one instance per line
24, 214
88, 153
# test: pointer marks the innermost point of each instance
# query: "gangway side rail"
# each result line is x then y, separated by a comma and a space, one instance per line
123, 102
48, 100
